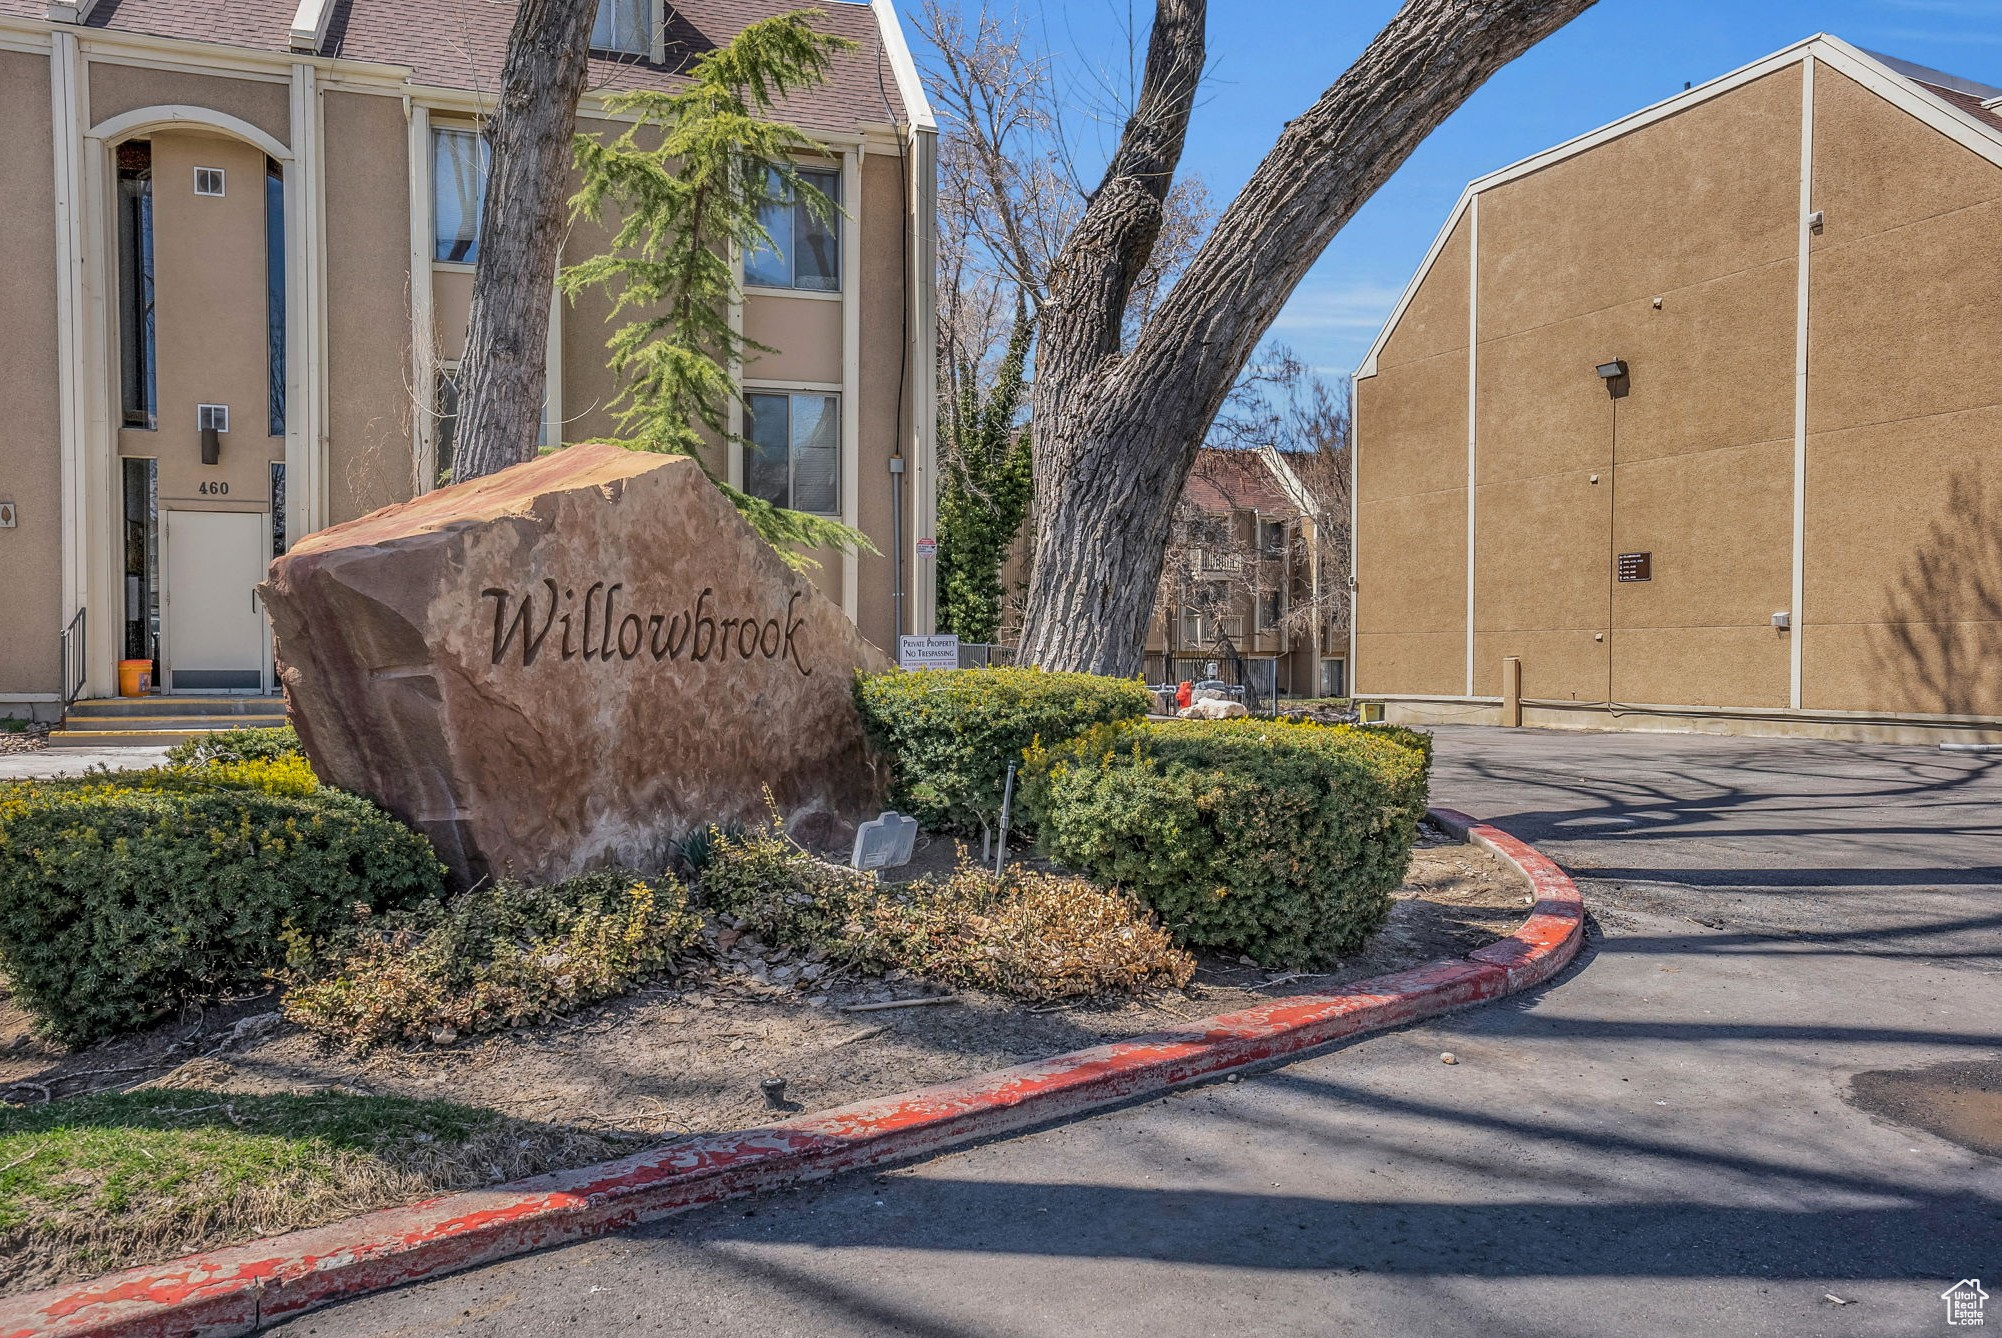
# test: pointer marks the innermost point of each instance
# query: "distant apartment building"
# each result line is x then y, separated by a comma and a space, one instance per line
1695, 422
239, 244
1241, 576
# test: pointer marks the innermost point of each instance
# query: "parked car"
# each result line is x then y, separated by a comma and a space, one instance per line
1218, 687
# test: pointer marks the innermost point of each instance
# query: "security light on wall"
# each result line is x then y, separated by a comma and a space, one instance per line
1614, 374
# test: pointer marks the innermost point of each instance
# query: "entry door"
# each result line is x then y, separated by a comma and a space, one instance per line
215, 636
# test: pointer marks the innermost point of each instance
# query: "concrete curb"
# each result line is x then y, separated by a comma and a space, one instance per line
244, 1287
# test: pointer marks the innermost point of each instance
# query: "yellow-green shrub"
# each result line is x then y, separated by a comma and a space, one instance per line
950, 736
497, 956
125, 895
256, 744
1278, 841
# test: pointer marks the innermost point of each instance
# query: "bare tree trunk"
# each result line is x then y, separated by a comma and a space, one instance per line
501, 381
1116, 434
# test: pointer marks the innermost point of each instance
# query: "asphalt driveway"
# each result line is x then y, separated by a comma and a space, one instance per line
1753, 1107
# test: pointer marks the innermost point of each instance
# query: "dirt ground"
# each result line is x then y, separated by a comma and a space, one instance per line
687, 1055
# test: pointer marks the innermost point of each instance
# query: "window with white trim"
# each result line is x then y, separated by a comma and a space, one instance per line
804, 250
792, 450
459, 162
624, 26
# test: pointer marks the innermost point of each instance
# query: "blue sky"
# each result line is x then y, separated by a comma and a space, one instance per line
1272, 58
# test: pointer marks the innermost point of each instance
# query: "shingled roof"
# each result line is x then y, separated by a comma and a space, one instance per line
1981, 101
460, 44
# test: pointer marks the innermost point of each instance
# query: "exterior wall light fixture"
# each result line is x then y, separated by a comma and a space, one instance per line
1614, 374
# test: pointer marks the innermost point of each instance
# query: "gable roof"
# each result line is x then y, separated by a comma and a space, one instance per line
1944, 106
1225, 480
459, 45
1981, 101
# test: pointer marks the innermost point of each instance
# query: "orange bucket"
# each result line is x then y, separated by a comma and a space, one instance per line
135, 678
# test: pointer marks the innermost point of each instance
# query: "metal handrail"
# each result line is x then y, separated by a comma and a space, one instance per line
75, 654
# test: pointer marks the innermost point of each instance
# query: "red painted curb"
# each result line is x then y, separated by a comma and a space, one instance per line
244, 1287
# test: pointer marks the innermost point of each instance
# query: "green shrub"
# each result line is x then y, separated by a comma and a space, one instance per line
126, 895
1277, 841
781, 893
236, 745
951, 736
1033, 935
497, 956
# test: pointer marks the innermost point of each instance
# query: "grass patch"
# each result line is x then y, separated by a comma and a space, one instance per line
101, 1182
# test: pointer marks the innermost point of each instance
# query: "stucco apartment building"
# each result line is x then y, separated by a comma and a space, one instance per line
1242, 564
1695, 422
237, 244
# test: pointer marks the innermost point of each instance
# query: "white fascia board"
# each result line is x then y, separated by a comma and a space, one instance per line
910, 85
1873, 74
309, 25
1289, 482
1957, 125
70, 11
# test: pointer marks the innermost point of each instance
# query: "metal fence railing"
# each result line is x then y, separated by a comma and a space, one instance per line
75, 657
979, 655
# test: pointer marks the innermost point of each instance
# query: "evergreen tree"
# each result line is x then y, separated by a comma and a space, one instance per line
687, 181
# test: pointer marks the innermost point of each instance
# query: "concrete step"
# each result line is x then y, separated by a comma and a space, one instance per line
193, 724
165, 705
123, 738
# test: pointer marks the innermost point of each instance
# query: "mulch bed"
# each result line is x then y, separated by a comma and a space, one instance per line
687, 1055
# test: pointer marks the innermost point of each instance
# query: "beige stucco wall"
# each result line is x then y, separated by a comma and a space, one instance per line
1411, 490
30, 447
1698, 211
804, 333
369, 460
210, 325
1903, 597
264, 103
1675, 247
883, 375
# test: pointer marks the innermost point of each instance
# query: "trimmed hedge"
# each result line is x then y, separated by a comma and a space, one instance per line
1280, 842
498, 956
126, 895
950, 736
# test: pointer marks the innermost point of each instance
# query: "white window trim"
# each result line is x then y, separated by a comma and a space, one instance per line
845, 452
810, 294
442, 127
846, 219
656, 51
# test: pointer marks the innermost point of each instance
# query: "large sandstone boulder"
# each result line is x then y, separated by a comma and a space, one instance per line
570, 664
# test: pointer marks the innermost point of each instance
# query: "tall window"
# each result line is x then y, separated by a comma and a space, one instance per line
459, 161
624, 26
804, 252
794, 455
1268, 610
135, 282
274, 294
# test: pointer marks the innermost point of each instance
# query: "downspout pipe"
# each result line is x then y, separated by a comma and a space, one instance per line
897, 542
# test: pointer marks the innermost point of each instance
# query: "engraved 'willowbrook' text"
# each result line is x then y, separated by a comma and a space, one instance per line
605, 633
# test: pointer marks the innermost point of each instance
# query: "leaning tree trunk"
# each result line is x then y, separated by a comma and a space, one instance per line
501, 381
1116, 434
